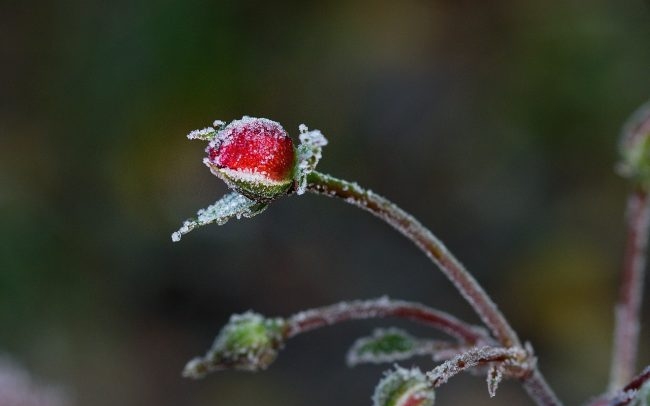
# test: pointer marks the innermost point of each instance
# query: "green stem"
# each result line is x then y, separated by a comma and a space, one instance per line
406, 224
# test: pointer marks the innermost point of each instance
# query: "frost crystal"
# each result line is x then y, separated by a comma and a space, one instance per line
249, 342
231, 205
309, 152
393, 344
403, 387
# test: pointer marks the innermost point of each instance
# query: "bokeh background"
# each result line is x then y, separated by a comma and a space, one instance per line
494, 122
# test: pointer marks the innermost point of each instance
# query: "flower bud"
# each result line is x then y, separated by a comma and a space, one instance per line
254, 156
248, 342
404, 387
635, 147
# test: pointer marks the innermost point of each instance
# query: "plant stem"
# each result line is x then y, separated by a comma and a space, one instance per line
626, 332
625, 395
364, 309
406, 224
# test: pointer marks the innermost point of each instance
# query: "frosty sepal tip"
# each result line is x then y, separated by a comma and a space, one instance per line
403, 387
229, 206
635, 147
308, 153
249, 342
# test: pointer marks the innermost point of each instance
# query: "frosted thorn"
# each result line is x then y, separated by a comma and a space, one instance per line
218, 124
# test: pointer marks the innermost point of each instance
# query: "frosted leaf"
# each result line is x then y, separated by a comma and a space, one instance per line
308, 153
229, 206
403, 387
205, 134
249, 342
494, 378
390, 345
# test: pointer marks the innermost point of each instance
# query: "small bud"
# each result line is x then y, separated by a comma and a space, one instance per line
403, 387
635, 147
254, 156
249, 342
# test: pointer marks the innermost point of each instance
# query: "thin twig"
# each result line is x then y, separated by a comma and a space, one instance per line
625, 395
626, 332
406, 224
364, 309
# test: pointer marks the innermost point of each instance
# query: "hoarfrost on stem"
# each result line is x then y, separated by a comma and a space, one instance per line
516, 358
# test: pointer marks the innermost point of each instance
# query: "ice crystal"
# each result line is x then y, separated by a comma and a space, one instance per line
309, 152
249, 342
393, 344
229, 206
403, 387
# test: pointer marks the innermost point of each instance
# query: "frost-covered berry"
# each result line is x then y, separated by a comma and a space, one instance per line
404, 387
249, 342
635, 146
254, 156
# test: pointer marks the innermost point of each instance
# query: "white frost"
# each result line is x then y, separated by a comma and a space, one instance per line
309, 153
229, 206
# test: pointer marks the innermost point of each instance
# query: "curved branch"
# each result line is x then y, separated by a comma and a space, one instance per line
384, 307
435, 250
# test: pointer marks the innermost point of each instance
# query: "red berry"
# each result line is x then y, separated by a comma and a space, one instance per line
254, 156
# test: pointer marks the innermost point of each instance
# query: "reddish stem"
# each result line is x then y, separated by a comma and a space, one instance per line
626, 332
626, 395
435, 250
364, 309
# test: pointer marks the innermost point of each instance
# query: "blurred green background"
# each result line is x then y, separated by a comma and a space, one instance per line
494, 122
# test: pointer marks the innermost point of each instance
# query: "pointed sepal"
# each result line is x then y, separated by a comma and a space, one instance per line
229, 206
308, 154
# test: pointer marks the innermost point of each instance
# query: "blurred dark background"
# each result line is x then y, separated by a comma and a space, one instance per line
493, 122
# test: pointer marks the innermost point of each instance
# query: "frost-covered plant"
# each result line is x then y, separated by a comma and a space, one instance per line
258, 161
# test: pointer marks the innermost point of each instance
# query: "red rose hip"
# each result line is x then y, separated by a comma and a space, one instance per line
254, 156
